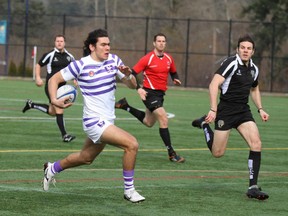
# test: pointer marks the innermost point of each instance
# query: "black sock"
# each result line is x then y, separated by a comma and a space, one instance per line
60, 123
165, 135
209, 135
42, 107
254, 161
140, 115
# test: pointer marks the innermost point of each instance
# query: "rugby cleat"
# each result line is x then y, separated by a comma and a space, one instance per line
176, 158
256, 193
199, 122
28, 105
122, 104
133, 196
48, 176
68, 138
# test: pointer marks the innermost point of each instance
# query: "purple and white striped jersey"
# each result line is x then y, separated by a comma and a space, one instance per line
97, 82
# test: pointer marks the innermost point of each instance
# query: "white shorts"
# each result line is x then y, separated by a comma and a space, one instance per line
95, 127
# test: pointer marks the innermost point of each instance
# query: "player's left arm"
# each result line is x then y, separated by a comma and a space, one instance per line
256, 97
175, 78
129, 79
173, 73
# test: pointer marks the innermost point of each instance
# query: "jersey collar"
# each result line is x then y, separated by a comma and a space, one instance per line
241, 62
56, 50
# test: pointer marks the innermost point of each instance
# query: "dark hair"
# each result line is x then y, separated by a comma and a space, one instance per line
92, 39
246, 37
59, 35
159, 34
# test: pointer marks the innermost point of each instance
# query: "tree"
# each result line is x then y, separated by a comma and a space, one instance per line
270, 35
272, 18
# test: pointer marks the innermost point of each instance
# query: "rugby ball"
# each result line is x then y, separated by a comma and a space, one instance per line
67, 90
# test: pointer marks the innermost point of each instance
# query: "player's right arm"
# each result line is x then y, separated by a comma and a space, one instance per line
53, 84
213, 93
138, 68
42, 62
38, 80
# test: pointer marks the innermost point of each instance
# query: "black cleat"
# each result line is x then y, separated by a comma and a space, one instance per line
122, 104
199, 122
176, 158
68, 138
255, 192
28, 105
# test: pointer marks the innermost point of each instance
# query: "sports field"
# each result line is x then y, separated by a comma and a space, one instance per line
203, 185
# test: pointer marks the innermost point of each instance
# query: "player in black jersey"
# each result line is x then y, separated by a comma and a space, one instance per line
237, 78
55, 60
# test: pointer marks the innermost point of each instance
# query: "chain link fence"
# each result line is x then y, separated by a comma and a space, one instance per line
198, 46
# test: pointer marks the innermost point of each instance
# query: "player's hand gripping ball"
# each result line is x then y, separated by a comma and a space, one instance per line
67, 90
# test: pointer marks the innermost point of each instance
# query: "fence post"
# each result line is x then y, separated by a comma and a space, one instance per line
64, 24
106, 22
229, 37
7, 39
272, 56
146, 35
25, 36
187, 53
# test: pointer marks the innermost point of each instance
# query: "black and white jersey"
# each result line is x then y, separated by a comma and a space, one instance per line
55, 61
239, 79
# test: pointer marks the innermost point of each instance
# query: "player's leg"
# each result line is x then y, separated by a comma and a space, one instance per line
58, 112
122, 139
123, 104
87, 155
160, 115
250, 133
216, 142
220, 140
150, 118
38, 106
61, 123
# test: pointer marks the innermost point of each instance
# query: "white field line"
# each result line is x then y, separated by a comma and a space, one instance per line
143, 170
119, 150
169, 115
14, 118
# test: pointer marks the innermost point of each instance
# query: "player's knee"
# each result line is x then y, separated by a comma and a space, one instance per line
256, 146
133, 145
218, 153
87, 160
148, 123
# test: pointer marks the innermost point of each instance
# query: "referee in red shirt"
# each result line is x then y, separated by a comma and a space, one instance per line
156, 66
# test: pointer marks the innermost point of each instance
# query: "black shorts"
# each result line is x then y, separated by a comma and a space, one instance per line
231, 115
154, 99
47, 92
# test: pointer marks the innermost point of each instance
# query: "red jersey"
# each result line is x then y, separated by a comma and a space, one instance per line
155, 70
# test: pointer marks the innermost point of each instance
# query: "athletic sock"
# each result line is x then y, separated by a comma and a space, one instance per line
209, 135
56, 168
140, 115
42, 107
128, 177
61, 124
165, 135
254, 161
